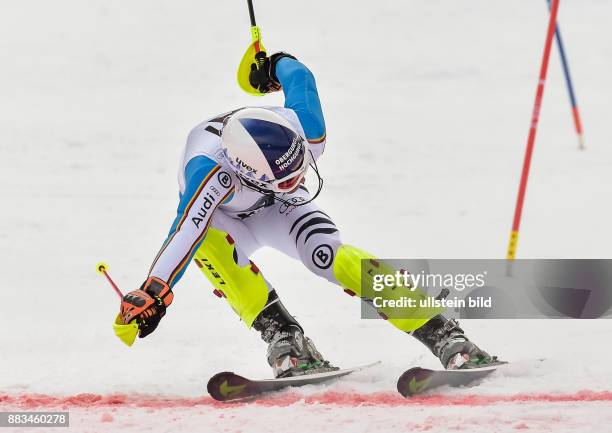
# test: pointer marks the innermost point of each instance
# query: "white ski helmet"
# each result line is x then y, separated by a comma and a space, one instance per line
265, 150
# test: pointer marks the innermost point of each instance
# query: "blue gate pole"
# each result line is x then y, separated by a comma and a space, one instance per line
570, 86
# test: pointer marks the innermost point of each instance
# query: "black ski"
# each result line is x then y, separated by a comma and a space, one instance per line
418, 380
227, 386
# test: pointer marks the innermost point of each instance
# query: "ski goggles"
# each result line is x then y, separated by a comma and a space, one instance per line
290, 182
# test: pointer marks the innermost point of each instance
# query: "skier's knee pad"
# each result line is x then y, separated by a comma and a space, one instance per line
355, 270
232, 274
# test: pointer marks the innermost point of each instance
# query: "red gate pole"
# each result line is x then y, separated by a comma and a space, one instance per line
518, 210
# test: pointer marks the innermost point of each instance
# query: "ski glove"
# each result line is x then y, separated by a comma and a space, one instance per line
146, 305
263, 75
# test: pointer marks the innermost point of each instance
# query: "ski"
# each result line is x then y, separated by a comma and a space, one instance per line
227, 386
418, 380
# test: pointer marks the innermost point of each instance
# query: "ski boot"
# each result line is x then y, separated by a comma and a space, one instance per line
290, 353
448, 342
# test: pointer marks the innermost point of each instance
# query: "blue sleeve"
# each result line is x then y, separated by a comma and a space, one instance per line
190, 225
196, 170
301, 96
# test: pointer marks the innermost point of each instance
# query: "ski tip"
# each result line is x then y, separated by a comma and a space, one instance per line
414, 381
418, 380
226, 386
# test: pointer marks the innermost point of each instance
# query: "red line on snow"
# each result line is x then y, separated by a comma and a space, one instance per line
342, 399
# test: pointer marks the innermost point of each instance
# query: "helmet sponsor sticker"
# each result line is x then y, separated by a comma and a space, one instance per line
243, 166
290, 156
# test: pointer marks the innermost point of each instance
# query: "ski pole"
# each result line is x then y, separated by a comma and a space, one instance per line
252, 13
255, 32
102, 268
532, 132
127, 332
570, 85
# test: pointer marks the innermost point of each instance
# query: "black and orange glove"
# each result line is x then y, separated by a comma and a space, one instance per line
146, 305
263, 72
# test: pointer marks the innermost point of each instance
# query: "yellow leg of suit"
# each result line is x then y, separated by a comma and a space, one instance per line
355, 268
243, 286
247, 291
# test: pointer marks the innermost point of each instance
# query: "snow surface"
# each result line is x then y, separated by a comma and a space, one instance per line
427, 106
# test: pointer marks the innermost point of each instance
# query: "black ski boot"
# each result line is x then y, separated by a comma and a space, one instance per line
448, 342
290, 353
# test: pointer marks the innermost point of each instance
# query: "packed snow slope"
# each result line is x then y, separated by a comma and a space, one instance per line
427, 107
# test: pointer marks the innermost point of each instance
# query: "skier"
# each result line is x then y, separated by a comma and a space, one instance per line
241, 187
